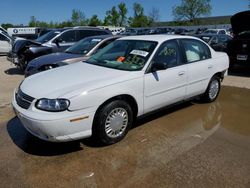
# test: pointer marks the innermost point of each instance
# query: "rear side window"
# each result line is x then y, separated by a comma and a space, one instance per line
195, 50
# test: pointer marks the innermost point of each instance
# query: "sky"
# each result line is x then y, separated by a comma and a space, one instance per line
19, 11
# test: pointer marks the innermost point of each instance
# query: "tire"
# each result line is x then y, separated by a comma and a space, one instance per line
112, 122
212, 90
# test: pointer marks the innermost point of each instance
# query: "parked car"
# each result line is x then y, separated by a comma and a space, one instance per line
239, 47
80, 51
215, 31
104, 95
217, 42
57, 40
5, 42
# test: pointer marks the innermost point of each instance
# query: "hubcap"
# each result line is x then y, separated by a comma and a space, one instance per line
214, 89
116, 122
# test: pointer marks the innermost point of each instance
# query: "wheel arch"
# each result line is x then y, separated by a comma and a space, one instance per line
127, 98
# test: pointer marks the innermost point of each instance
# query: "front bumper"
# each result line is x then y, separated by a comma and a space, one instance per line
55, 126
13, 58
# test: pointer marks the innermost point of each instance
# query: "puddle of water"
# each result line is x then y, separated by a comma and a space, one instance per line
151, 145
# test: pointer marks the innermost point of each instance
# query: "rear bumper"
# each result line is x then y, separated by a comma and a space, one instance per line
233, 61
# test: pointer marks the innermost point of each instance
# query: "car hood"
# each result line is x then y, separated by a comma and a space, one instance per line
52, 59
240, 22
72, 80
20, 44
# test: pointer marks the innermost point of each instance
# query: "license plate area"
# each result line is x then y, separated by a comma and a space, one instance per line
242, 57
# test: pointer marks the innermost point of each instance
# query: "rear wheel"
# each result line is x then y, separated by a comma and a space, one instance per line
213, 90
112, 122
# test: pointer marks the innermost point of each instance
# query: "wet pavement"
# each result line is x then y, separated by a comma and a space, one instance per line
189, 145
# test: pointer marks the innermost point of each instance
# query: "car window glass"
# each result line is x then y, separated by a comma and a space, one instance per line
83, 46
168, 54
68, 36
3, 38
223, 38
195, 50
105, 43
222, 32
130, 55
214, 40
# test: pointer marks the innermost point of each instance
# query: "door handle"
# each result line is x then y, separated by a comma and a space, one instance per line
181, 73
210, 66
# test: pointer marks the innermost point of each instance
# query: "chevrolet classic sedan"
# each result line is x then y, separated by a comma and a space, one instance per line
132, 76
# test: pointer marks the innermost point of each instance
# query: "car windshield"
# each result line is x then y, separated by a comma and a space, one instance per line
83, 46
129, 55
48, 36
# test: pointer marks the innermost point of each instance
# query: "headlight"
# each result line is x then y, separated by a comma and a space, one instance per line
52, 105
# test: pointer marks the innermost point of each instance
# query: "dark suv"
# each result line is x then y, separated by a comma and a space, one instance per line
56, 40
238, 49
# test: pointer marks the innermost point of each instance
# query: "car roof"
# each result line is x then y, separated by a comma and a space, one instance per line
103, 36
157, 38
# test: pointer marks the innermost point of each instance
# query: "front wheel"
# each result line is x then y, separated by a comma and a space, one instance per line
213, 90
112, 122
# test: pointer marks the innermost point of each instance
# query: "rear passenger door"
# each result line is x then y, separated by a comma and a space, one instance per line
164, 87
199, 66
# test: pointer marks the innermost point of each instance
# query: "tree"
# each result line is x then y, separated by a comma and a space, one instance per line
122, 12
32, 22
192, 9
112, 17
154, 15
94, 21
7, 25
139, 19
138, 10
78, 18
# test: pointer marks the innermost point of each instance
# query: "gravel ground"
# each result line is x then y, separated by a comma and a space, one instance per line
191, 145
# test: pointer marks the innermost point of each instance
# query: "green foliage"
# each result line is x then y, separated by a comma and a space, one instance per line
139, 19
32, 22
112, 17
94, 21
191, 9
6, 25
153, 16
122, 12
78, 18
116, 18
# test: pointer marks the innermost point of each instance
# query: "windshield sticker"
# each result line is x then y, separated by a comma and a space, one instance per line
139, 52
96, 40
120, 59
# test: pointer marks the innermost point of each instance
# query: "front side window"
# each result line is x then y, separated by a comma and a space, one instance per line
168, 54
68, 36
130, 55
48, 36
195, 50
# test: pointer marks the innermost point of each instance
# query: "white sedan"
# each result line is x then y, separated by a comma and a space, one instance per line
130, 77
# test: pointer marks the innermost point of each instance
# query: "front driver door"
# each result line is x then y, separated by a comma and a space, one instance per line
164, 87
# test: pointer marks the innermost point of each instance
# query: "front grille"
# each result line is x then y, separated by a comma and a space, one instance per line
23, 100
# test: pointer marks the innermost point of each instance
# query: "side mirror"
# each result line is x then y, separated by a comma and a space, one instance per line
57, 41
158, 66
